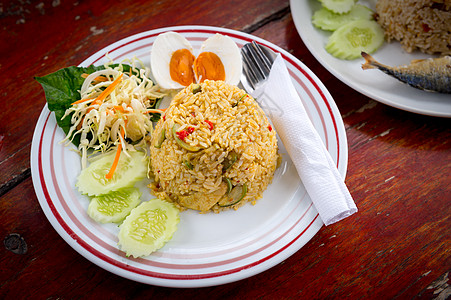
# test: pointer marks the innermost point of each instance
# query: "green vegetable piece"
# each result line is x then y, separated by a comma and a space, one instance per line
181, 143
114, 206
236, 195
148, 227
188, 165
129, 170
160, 139
229, 184
338, 6
348, 41
196, 88
328, 20
239, 100
231, 158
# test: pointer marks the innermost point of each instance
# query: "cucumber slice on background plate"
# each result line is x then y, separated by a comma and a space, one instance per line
114, 206
338, 6
327, 20
92, 181
148, 227
348, 41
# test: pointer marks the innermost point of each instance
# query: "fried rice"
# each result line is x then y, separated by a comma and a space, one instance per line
417, 24
212, 138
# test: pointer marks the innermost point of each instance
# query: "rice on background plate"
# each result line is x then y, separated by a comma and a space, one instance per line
417, 24
209, 140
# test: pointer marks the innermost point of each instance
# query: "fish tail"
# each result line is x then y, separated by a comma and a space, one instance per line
370, 62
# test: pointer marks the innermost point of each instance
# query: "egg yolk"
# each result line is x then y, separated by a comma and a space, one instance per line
180, 67
209, 66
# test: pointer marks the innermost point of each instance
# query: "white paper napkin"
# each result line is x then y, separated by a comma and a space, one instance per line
313, 162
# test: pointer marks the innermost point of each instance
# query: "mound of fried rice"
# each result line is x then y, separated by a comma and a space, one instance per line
417, 24
232, 138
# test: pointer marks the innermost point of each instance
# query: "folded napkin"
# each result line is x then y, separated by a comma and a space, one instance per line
313, 162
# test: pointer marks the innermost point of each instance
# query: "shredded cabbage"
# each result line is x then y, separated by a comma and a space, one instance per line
100, 122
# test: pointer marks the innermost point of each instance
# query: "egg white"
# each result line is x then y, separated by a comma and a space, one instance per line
164, 46
229, 53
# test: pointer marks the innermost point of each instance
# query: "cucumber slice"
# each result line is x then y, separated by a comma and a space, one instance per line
328, 20
148, 227
348, 41
129, 170
114, 206
338, 6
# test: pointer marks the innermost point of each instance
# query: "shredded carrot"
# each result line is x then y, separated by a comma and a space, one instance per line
87, 111
110, 88
98, 78
102, 95
117, 156
80, 125
81, 101
157, 111
119, 108
97, 101
93, 103
115, 162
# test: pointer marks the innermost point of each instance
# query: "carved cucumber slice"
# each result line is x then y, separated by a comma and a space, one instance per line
328, 20
114, 206
338, 6
348, 41
129, 170
148, 227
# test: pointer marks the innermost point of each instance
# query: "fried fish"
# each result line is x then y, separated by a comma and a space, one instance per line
431, 74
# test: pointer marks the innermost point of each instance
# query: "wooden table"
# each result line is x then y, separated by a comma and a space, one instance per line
396, 246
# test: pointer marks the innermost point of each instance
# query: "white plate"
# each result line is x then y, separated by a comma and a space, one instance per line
372, 83
207, 249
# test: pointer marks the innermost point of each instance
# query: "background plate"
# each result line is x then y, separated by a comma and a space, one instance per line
207, 249
372, 83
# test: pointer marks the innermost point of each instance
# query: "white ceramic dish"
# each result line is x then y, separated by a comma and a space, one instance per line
207, 249
372, 83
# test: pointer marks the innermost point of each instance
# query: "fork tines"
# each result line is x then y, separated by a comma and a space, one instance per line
257, 64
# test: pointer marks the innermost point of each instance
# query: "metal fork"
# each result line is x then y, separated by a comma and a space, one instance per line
257, 60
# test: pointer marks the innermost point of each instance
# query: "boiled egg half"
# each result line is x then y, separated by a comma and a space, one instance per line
174, 64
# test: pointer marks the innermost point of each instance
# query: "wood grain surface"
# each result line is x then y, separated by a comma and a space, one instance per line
396, 247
